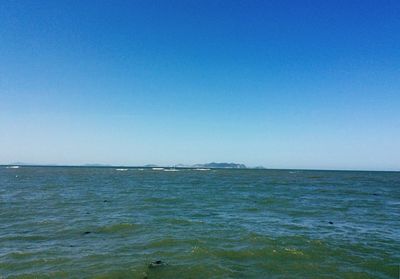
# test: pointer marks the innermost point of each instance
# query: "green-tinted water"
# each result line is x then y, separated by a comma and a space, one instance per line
106, 223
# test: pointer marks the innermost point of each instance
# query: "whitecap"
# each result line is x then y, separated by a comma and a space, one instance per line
12, 167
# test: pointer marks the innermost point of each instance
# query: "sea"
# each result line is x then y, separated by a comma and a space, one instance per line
107, 222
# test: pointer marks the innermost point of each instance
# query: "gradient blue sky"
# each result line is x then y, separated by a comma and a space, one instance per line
283, 84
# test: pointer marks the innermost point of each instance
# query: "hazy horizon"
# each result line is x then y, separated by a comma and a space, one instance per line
16, 163
280, 84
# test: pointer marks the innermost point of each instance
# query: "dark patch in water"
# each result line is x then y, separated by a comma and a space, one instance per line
105, 201
157, 264
87, 232
330, 222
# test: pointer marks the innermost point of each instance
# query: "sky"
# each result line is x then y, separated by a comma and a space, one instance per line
282, 84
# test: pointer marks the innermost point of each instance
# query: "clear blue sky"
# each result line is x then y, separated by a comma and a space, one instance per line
283, 84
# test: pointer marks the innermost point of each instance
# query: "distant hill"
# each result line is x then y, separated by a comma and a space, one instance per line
221, 166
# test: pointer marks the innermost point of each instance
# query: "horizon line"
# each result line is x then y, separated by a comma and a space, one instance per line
149, 166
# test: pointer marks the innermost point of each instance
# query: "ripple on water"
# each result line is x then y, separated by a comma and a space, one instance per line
223, 224
118, 228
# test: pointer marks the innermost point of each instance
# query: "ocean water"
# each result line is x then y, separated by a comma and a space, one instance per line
81, 222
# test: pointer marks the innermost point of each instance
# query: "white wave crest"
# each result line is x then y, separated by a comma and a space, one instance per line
12, 167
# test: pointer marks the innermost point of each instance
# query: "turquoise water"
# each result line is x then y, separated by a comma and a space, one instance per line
77, 222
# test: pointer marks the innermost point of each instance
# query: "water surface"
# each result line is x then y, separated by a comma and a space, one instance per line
81, 222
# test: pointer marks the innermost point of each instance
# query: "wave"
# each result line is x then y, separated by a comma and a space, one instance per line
162, 200
12, 167
115, 228
157, 168
171, 170
121, 169
202, 169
